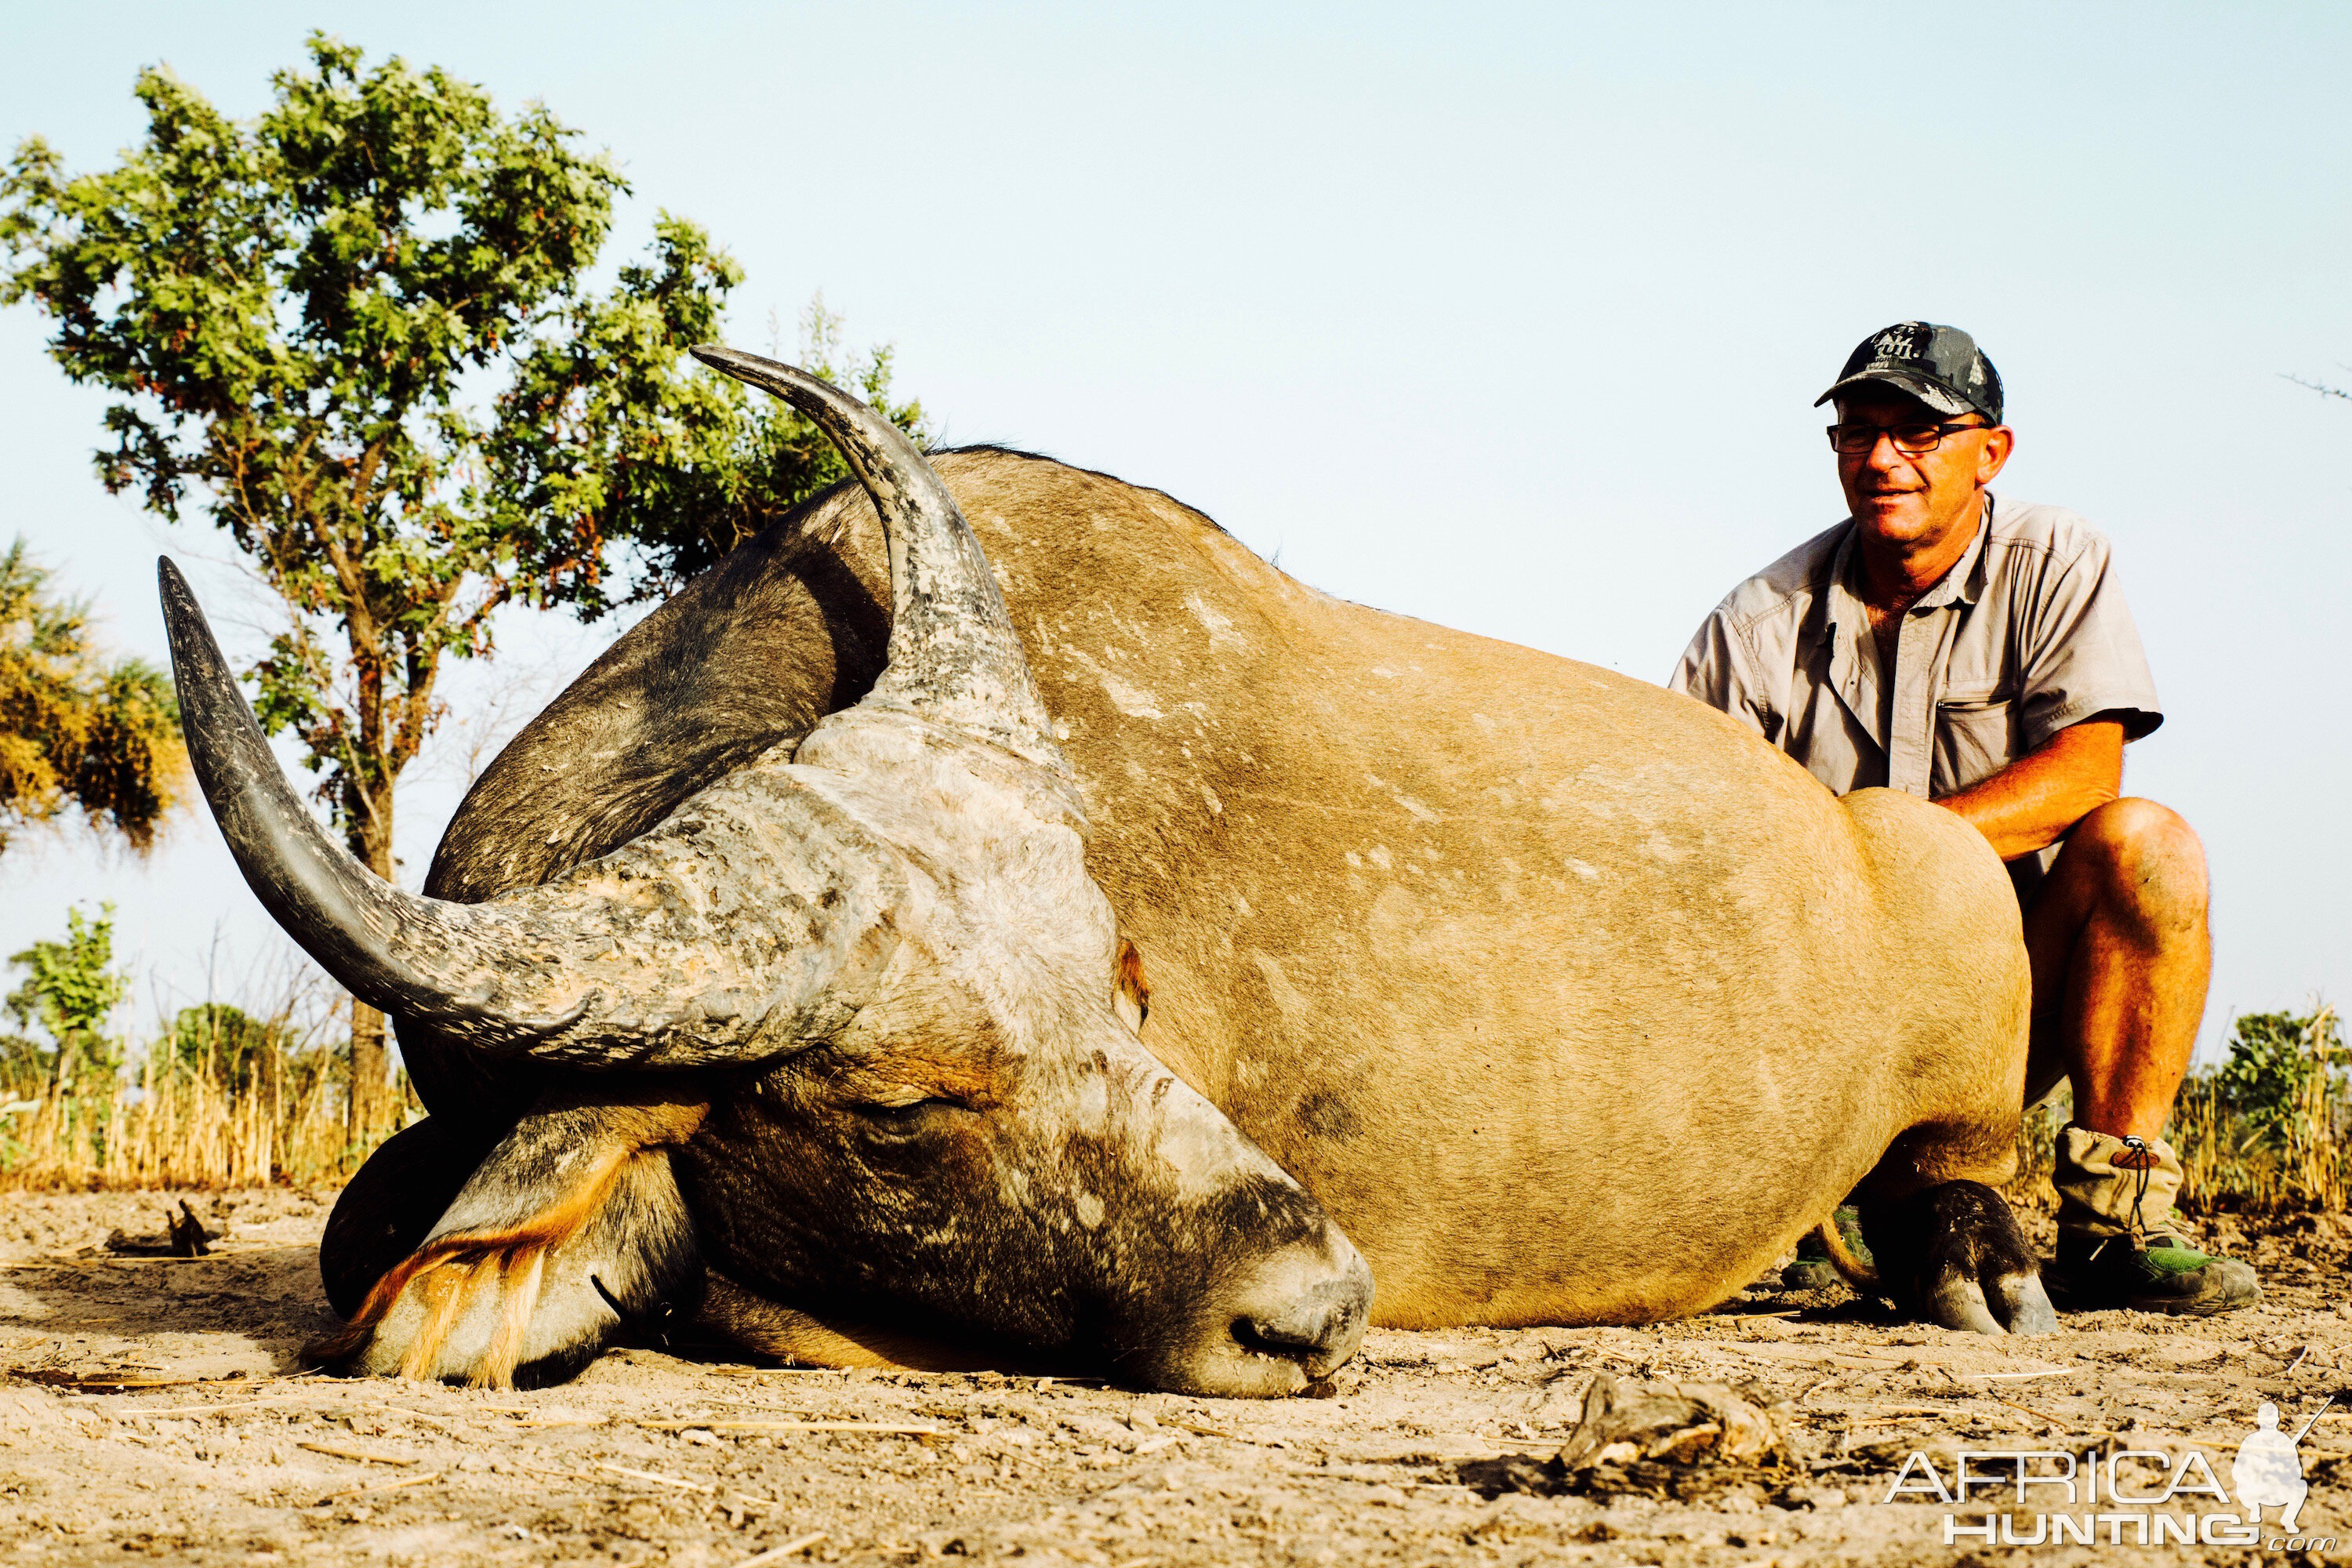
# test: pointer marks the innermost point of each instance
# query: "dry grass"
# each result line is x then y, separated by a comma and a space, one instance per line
222, 1094
185, 1129
2271, 1129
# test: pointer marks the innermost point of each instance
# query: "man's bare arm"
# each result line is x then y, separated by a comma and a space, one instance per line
2037, 799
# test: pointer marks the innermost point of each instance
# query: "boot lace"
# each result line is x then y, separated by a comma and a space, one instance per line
2144, 1170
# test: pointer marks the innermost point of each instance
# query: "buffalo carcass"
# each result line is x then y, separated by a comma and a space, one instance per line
764, 962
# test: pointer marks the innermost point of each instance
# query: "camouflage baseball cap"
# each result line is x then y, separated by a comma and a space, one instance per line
1940, 366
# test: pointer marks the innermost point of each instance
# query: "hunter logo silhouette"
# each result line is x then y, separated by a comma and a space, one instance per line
2268, 1472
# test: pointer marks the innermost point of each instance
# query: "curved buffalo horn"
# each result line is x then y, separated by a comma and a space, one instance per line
954, 657
722, 936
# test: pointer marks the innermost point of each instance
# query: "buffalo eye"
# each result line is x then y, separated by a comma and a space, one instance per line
910, 1120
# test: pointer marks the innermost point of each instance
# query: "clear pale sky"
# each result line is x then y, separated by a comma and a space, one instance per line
1511, 318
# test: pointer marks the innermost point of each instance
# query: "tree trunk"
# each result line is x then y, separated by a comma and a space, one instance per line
370, 1105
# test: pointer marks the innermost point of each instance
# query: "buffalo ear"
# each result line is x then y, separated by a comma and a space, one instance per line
387, 1210
1132, 991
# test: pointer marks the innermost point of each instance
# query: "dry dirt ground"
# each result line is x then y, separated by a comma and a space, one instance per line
212, 1451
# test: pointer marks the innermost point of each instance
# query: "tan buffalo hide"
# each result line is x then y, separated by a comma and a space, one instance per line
1569, 998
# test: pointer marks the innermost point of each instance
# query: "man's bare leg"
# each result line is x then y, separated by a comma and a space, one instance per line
2121, 955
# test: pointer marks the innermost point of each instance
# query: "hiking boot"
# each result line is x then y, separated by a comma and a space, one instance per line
2160, 1273
1809, 1273
1813, 1270
2118, 1244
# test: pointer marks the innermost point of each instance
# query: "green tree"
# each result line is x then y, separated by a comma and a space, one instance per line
76, 730
2280, 1067
356, 331
71, 987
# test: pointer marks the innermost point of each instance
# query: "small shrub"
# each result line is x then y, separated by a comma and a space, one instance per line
222, 1096
2269, 1124
71, 987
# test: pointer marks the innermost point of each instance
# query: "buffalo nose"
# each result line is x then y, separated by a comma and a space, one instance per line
1288, 1319
1320, 1325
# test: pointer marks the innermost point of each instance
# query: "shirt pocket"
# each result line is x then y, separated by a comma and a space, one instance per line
1976, 737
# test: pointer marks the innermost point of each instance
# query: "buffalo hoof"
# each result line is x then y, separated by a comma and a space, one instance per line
1954, 1255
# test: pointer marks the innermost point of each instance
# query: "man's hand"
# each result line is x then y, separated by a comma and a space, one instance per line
2036, 800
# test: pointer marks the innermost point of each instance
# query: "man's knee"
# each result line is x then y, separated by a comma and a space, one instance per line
2144, 857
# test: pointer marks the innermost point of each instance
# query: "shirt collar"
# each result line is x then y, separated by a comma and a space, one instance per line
1965, 581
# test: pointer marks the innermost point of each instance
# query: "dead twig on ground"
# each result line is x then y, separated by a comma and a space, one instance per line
92, 1382
2052, 1422
906, 1429
359, 1454
657, 1480
181, 1412
381, 1487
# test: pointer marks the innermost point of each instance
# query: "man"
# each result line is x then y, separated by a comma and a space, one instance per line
1975, 650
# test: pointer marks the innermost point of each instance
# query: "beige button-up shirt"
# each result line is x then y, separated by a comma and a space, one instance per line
2026, 634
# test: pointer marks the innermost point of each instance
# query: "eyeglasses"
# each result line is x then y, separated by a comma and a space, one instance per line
1856, 440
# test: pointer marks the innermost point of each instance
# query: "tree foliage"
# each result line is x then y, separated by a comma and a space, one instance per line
78, 731
23, 1065
70, 988
287, 309
294, 311
2282, 1065
604, 425
357, 332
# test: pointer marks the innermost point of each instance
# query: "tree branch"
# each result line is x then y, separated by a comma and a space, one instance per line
2324, 389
